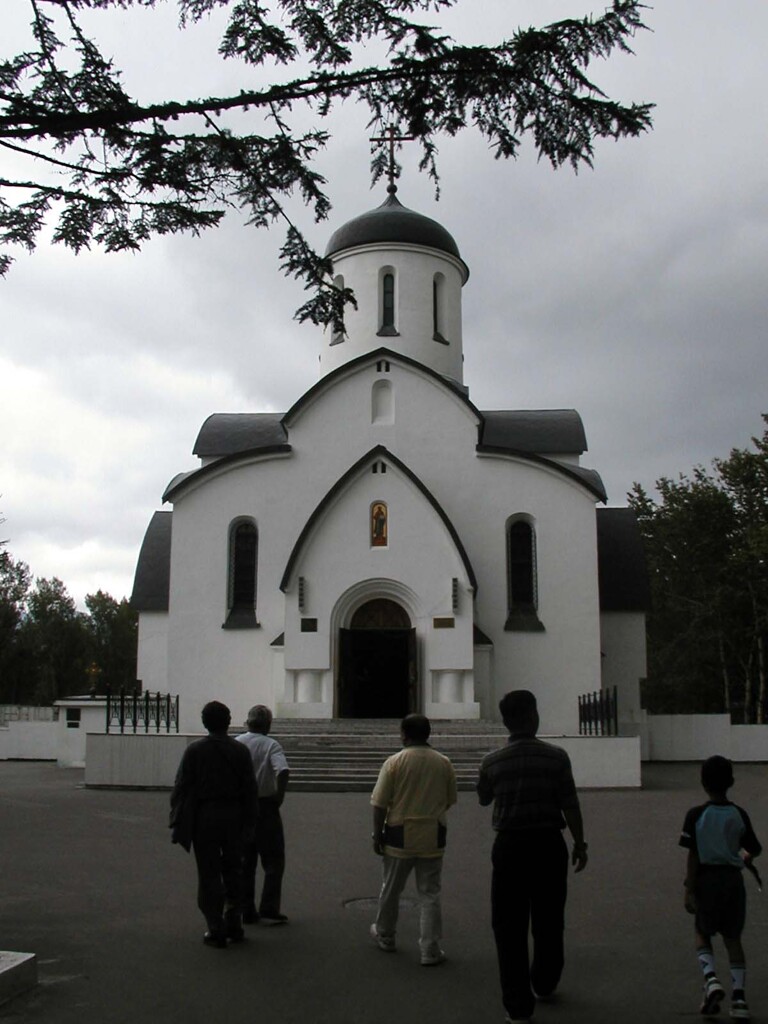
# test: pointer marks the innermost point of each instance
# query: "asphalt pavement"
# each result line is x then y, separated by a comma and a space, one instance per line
91, 883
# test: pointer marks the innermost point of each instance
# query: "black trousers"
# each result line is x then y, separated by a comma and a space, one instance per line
218, 846
267, 846
528, 892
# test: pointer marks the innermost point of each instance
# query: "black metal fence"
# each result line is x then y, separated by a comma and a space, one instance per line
142, 712
599, 713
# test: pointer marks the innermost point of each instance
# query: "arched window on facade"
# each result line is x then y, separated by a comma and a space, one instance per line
243, 570
387, 325
522, 584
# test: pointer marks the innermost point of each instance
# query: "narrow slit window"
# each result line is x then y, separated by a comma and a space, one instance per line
388, 301
522, 590
438, 309
387, 325
243, 567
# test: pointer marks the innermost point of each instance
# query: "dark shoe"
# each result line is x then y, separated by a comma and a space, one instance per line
251, 916
545, 997
215, 939
433, 959
386, 943
233, 925
271, 919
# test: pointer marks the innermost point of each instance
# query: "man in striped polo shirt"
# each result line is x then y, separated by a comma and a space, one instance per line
530, 784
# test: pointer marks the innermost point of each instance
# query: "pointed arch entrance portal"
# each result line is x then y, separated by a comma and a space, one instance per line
377, 663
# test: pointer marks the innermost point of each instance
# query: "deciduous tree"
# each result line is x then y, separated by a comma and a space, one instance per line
706, 538
112, 628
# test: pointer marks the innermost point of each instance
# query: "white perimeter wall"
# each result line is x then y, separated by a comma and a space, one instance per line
28, 741
151, 760
697, 737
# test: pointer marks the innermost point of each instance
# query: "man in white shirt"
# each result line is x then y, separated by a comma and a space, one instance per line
268, 844
414, 790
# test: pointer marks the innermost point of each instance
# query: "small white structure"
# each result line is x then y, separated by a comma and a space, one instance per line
385, 546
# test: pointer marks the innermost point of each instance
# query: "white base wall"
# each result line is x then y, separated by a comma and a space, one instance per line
150, 760
141, 760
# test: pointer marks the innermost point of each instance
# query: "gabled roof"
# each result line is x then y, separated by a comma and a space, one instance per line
211, 468
378, 452
588, 478
377, 355
151, 584
623, 574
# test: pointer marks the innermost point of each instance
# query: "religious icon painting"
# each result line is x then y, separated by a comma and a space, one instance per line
379, 523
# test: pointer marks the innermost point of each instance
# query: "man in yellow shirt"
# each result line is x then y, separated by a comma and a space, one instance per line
414, 790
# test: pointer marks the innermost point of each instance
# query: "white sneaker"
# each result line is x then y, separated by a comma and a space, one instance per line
739, 1009
384, 942
714, 994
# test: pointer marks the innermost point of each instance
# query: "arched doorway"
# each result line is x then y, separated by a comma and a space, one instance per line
377, 662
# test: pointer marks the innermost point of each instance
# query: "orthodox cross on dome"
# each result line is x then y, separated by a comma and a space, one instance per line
389, 138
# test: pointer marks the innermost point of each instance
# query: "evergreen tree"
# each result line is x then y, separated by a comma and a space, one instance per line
15, 582
118, 170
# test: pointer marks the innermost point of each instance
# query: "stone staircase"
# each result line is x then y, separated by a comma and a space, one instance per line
344, 755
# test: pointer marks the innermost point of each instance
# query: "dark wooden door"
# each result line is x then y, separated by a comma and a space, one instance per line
377, 676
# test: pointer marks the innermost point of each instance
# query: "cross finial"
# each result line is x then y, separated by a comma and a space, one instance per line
390, 137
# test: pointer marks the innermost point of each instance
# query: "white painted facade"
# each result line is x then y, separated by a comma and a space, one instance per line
416, 271
389, 423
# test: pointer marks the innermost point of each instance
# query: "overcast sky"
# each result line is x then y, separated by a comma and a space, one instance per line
635, 292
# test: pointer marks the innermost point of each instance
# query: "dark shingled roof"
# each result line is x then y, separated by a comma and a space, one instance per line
225, 433
533, 431
623, 574
151, 584
538, 431
392, 222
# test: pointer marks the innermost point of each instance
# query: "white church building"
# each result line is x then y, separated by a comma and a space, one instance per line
385, 546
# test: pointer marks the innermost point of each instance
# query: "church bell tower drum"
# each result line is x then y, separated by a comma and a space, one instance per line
406, 274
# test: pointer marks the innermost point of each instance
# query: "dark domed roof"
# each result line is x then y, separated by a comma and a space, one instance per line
392, 222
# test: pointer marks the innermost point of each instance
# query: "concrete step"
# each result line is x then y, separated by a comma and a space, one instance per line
345, 755
380, 726
373, 753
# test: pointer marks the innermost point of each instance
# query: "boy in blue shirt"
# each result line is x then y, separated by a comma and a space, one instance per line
720, 842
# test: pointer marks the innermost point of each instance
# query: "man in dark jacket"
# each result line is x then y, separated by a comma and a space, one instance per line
213, 804
530, 784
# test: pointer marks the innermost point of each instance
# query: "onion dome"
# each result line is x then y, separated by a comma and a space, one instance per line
392, 222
